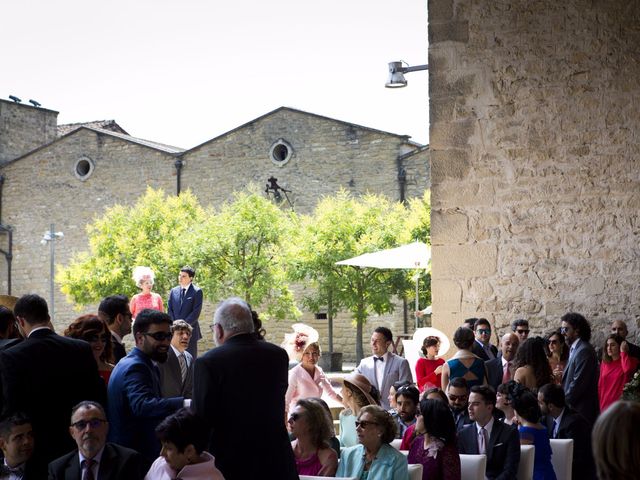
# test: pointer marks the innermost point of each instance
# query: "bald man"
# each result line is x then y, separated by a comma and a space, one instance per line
618, 327
500, 369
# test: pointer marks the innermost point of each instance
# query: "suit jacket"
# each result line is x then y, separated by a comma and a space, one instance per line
189, 310
239, 390
9, 342
494, 371
136, 406
575, 426
580, 381
58, 371
171, 383
118, 349
503, 450
389, 463
461, 420
477, 350
396, 368
117, 463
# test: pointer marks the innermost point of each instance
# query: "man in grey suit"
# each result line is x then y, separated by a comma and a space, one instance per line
501, 369
580, 377
384, 368
176, 374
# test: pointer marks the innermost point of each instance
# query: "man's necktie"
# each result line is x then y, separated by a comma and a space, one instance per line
183, 366
507, 372
554, 433
182, 294
88, 472
482, 441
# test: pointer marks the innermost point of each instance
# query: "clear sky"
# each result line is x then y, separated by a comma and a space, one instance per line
184, 71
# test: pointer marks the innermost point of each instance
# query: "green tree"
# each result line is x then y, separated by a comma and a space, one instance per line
147, 233
240, 252
342, 227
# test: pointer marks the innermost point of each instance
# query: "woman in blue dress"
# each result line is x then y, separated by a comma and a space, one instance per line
464, 363
532, 432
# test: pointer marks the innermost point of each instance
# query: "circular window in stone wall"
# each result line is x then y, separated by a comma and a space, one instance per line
83, 168
280, 152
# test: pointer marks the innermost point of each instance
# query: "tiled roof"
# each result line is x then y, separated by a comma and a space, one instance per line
140, 141
103, 124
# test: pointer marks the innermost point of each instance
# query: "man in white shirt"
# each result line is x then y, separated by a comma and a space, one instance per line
176, 374
501, 369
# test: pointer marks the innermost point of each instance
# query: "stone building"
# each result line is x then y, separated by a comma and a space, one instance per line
535, 155
66, 175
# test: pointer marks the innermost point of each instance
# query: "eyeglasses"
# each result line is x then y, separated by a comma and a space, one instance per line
454, 398
553, 342
159, 336
484, 331
93, 423
97, 338
295, 417
563, 330
364, 424
522, 331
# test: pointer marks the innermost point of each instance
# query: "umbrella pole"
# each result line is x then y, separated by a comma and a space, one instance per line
416, 310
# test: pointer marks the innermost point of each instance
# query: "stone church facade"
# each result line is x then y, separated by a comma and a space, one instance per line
67, 174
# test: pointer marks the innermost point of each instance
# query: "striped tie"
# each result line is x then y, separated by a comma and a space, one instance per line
183, 366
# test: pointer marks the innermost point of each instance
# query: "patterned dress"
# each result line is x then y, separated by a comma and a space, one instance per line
439, 461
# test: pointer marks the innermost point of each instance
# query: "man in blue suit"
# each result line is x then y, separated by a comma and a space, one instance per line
135, 403
185, 303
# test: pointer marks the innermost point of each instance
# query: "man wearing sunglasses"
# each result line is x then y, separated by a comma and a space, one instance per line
136, 406
482, 347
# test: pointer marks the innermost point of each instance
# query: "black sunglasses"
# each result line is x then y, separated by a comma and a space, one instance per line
97, 338
159, 336
294, 417
93, 423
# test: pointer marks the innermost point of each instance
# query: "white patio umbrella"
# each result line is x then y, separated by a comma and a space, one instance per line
414, 255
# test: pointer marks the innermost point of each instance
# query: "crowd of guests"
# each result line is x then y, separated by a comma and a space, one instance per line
79, 406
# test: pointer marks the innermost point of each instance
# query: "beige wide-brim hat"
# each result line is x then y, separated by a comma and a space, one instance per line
422, 333
8, 301
297, 342
361, 383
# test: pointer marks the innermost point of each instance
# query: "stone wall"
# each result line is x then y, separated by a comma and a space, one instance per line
24, 128
534, 120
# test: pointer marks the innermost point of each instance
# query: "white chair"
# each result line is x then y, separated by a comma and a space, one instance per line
415, 471
396, 443
472, 467
562, 457
313, 477
527, 456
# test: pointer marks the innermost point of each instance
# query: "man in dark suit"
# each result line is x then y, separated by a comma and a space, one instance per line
458, 395
384, 368
580, 377
482, 346
564, 423
497, 440
94, 458
500, 369
136, 406
176, 374
47, 368
16, 443
226, 380
185, 303
114, 310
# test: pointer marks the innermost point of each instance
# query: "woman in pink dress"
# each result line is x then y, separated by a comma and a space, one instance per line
306, 379
616, 369
429, 368
144, 278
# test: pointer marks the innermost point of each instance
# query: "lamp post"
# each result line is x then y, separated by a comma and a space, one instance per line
50, 236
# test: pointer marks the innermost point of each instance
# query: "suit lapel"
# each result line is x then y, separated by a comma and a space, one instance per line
73, 467
495, 432
106, 464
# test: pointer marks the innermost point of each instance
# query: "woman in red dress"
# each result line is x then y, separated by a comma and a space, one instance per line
616, 369
429, 368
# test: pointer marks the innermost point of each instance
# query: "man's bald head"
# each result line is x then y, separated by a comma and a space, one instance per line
618, 327
509, 346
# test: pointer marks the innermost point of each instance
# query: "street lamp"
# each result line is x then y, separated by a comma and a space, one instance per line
397, 71
50, 236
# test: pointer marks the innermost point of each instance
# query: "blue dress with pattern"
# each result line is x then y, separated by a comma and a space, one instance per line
542, 467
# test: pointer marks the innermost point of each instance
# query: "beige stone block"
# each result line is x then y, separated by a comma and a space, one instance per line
446, 295
450, 226
464, 261
593, 286
449, 164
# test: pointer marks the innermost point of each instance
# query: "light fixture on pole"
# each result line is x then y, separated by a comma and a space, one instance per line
50, 237
274, 189
397, 71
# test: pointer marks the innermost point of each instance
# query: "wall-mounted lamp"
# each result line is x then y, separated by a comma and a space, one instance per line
274, 189
397, 71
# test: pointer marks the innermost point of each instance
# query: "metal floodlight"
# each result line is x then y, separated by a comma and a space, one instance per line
397, 71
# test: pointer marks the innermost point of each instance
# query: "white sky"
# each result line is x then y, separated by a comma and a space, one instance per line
184, 71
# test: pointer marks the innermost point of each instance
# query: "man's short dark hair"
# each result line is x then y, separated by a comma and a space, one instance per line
552, 393
189, 271
400, 383
111, 306
409, 391
520, 322
488, 394
183, 428
470, 322
33, 308
459, 382
579, 323
481, 321
88, 404
7, 320
386, 332
15, 420
148, 317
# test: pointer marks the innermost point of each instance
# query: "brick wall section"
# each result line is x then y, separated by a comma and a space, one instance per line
24, 128
534, 124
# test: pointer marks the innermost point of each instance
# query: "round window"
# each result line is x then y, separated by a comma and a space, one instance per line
280, 152
83, 168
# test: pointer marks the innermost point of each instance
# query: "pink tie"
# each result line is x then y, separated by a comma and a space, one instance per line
507, 373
